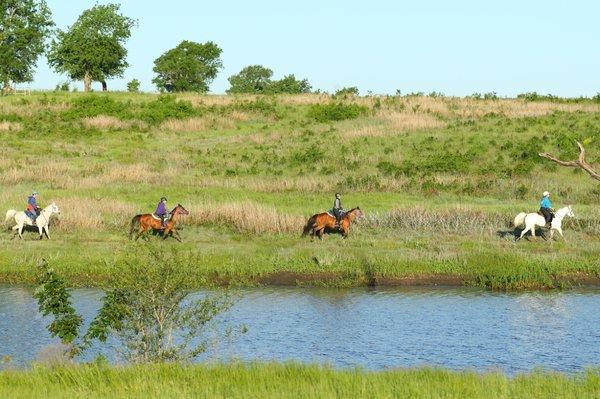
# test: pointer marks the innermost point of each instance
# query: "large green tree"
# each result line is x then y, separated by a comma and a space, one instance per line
24, 27
251, 79
188, 67
93, 49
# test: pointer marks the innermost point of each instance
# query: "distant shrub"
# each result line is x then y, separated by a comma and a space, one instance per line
346, 92
62, 87
167, 107
133, 86
336, 111
91, 106
490, 96
534, 96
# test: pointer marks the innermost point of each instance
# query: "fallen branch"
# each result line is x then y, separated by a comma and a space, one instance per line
579, 163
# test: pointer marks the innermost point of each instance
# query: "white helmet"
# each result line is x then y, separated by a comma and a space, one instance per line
546, 194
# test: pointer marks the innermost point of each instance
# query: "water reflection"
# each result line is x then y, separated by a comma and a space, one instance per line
372, 328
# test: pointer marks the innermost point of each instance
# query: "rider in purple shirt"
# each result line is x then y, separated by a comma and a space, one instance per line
161, 211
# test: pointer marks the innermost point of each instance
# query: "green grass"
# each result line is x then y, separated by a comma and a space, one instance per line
438, 178
286, 381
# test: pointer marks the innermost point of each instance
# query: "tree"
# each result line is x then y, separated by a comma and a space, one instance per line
251, 79
580, 162
149, 306
93, 48
289, 85
24, 27
188, 67
133, 86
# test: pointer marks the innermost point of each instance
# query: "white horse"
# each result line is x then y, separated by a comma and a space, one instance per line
531, 220
21, 219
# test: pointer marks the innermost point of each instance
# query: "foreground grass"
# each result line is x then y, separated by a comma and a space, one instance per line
438, 178
286, 381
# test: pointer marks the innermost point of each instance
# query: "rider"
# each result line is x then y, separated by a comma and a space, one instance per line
161, 212
32, 210
337, 210
546, 207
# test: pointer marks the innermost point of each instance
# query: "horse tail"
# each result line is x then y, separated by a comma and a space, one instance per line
10, 215
309, 226
136, 219
519, 219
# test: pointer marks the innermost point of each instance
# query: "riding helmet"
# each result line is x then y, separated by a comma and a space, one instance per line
546, 194
163, 199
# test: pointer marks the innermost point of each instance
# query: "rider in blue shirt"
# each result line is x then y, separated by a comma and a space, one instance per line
546, 207
32, 209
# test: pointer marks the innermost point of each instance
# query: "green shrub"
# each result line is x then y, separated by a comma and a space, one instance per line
93, 105
168, 107
336, 111
133, 86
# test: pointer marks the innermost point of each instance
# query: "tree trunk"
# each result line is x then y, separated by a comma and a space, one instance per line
104, 86
87, 82
6, 88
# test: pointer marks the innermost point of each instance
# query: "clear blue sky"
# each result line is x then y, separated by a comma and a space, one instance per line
455, 47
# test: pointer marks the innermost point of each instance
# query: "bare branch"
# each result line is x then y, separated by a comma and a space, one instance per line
579, 163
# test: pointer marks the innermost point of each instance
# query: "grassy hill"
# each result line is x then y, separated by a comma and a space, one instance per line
439, 179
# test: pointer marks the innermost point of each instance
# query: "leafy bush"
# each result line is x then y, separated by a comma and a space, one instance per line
336, 111
133, 86
94, 105
168, 107
346, 92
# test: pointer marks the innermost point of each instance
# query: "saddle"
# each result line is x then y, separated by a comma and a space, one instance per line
331, 214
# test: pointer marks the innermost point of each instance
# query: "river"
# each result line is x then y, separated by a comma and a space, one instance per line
375, 329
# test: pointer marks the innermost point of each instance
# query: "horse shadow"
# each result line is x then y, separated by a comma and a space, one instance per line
516, 233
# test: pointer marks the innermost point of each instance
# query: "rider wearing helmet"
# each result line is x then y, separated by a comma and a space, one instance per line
546, 207
161, 212
338, 211
32, 210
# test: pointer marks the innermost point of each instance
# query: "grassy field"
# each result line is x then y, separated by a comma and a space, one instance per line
438, 178
286, 380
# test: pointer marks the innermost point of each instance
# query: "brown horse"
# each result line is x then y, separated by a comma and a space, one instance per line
322, 223
149, 222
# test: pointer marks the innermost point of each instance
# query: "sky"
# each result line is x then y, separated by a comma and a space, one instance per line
454, 47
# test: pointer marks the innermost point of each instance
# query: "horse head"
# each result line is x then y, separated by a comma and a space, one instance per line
180, 210
53, 208
570, 212
356, 212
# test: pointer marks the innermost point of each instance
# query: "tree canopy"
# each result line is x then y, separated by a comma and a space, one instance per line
24, 27
93, 48
188, 67
251, 79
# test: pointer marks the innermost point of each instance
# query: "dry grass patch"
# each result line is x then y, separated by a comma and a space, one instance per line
105, 122
204, 123
9, 126
407, 121
246, 217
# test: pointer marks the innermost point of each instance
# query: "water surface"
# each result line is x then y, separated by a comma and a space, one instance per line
371, 328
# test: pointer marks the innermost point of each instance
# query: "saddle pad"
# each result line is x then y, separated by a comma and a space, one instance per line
156, 217
330, 214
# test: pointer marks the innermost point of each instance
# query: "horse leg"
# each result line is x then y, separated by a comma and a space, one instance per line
46, 232
523, 232
140, 232
320, 233
41, 231
178, 237
559, 229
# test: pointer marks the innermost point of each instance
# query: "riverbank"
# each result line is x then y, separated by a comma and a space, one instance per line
438, 179
223, 257
286, 381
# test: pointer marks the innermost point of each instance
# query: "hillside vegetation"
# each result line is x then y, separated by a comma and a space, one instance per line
438, 178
